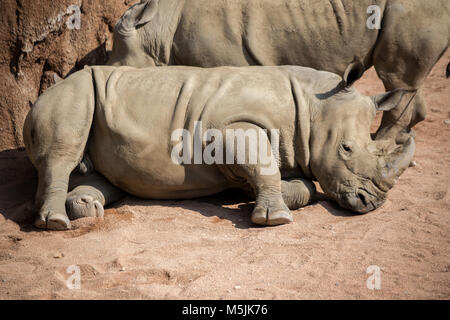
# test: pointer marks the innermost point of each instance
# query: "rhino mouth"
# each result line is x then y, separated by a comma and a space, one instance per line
360, 201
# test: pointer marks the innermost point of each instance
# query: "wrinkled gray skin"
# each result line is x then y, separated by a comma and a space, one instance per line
124, 118
324, 35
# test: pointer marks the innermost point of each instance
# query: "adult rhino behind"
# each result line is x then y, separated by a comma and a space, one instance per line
324, 35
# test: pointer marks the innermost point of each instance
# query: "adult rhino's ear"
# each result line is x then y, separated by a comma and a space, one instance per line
389, 100
354, 71
138, 15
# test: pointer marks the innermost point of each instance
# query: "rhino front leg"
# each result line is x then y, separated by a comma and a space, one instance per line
89, 195
403, 59
265, 180
270, 208
297, 193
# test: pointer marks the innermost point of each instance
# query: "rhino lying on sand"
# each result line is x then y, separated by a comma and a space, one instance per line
324, 35
126, 118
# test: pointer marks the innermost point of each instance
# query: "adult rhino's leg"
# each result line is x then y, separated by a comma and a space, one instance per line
397, 124
270, 208
411, 41
89, 195
297, 193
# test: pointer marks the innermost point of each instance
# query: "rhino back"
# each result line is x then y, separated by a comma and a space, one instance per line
275, 32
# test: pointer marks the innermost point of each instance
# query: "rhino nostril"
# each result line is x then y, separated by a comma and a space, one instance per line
362, 198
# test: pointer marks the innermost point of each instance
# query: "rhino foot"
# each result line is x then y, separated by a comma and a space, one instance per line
80, 206
271, 213
52, 220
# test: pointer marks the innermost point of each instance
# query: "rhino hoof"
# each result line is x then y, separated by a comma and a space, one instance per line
270, 217
83, 206
52, 221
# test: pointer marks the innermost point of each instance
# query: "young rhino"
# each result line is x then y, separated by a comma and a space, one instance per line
130, 123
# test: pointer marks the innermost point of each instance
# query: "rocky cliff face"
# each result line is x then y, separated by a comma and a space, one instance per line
44, 38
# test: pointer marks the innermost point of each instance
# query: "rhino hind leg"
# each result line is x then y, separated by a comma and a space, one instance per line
297, 192
55, 134
54, 160
89, 195
52, 190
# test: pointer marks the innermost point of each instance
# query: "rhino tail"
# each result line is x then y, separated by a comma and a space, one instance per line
86, 167
447, 73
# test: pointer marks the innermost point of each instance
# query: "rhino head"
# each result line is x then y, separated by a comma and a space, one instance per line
354, 169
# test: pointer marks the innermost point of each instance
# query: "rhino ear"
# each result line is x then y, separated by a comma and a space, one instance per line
138, 15
354, 71
389, 100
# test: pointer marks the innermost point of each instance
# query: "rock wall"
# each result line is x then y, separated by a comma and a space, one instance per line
43, 38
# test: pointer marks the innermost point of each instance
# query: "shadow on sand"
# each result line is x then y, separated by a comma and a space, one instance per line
18, 183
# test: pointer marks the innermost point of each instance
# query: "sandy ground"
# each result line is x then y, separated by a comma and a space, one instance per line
208, 249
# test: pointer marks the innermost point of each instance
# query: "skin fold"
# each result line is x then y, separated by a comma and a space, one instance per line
125, 117
324, 35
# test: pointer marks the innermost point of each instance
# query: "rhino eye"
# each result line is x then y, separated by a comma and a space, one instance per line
346, 147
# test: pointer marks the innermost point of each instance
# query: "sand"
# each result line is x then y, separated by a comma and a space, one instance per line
208, 248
